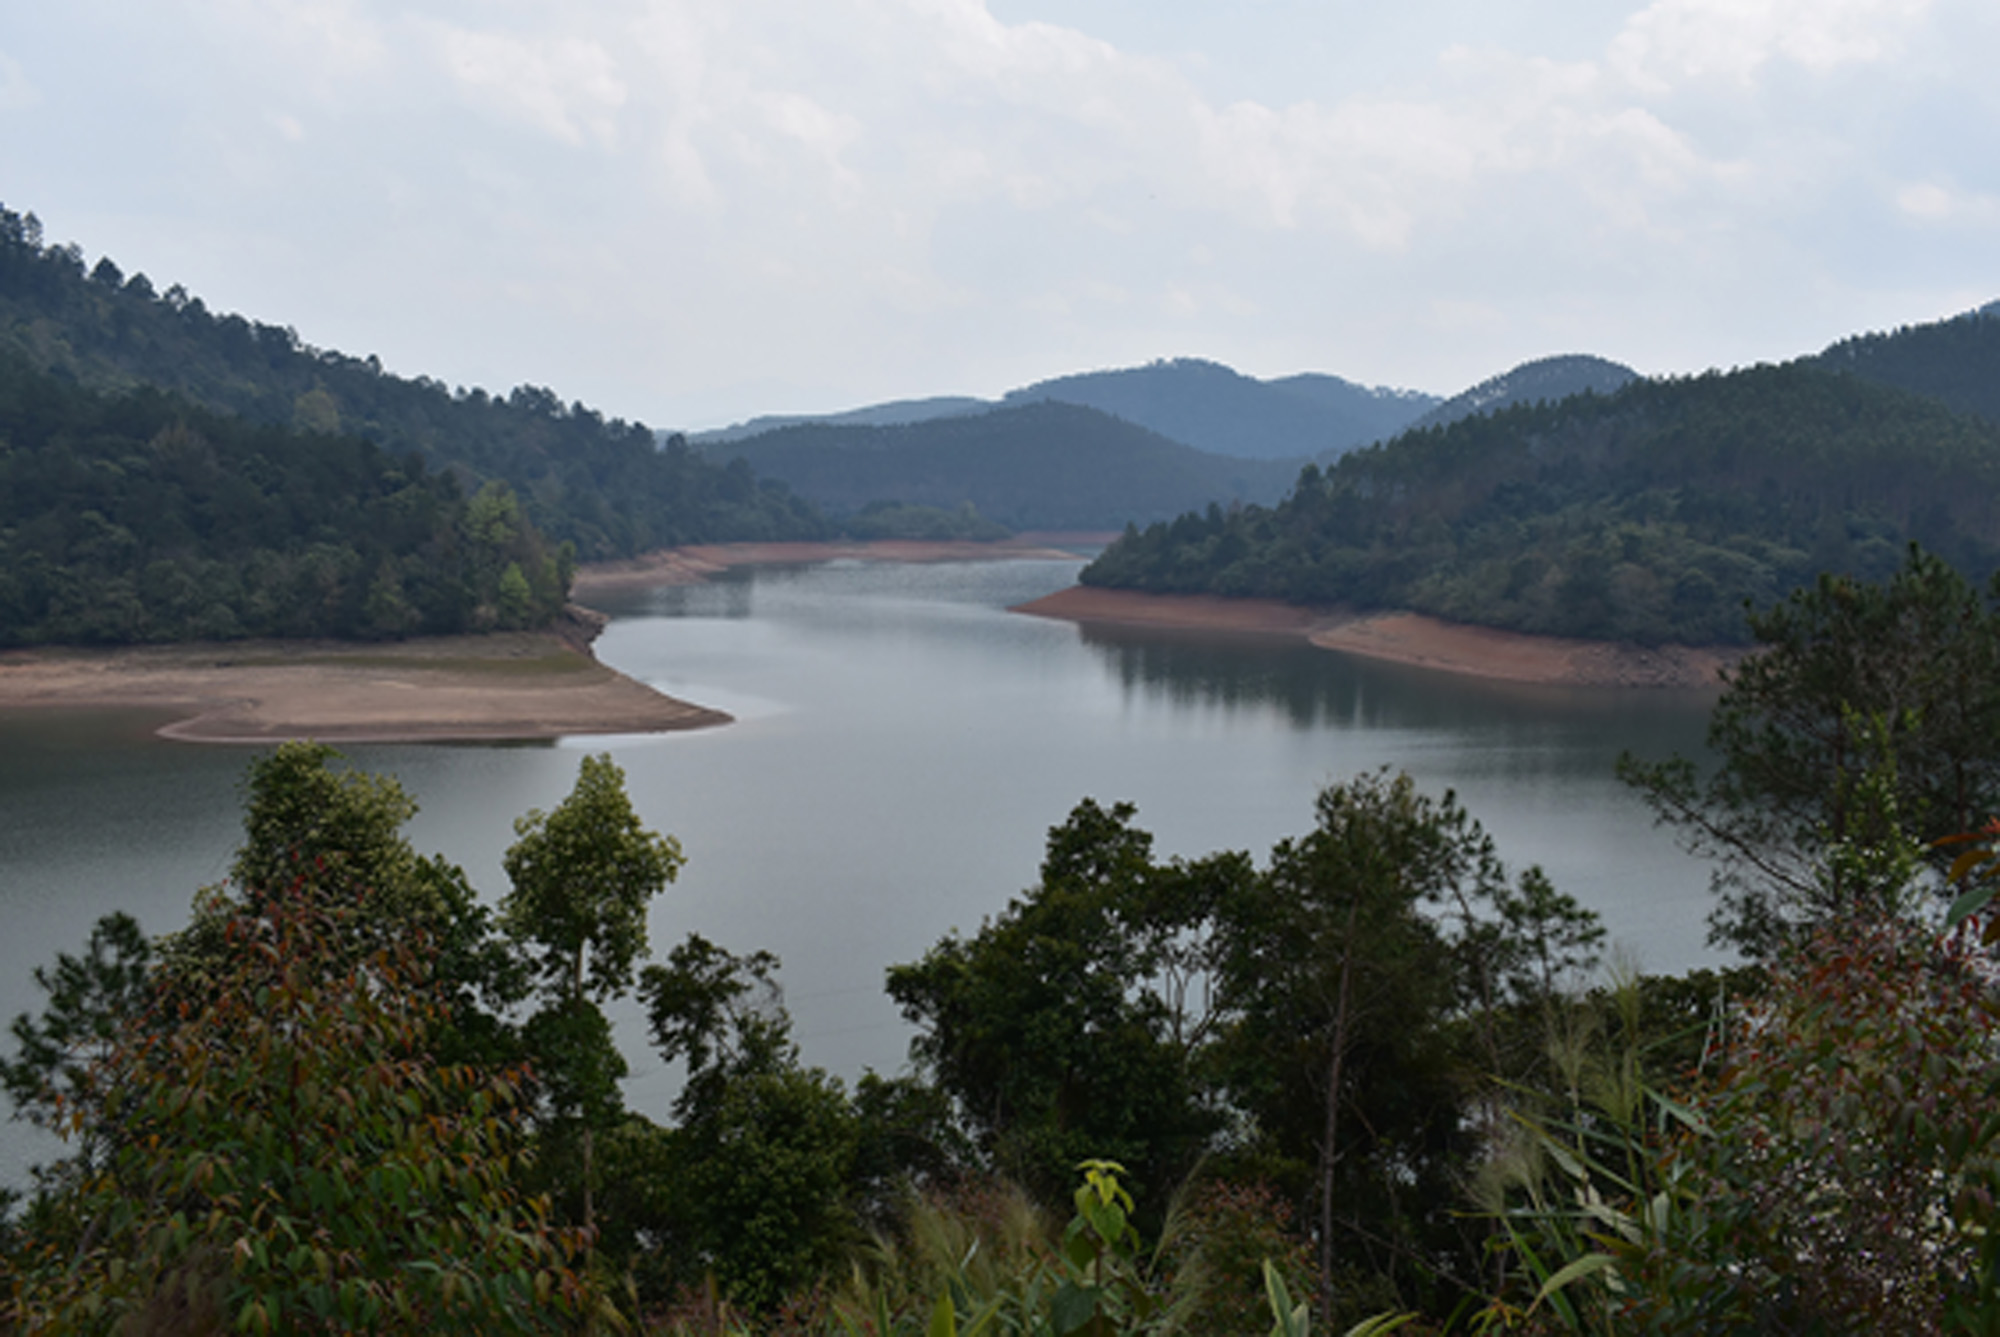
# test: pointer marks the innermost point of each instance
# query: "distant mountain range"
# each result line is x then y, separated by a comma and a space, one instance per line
1040, 464
1198, 403
1129, 446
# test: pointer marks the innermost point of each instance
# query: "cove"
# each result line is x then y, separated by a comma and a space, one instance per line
901, 745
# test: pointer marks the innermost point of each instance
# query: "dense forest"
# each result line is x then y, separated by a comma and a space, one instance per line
1951, 361
1041, 465
1650, 515
605, 486
140, 517
1369, 1079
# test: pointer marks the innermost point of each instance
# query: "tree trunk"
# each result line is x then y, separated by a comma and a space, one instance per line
1329, 1154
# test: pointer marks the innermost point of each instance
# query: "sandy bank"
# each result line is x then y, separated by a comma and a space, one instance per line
520, 685
698, 562
1402, 638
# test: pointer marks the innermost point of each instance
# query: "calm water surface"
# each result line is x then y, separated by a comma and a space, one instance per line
902, 745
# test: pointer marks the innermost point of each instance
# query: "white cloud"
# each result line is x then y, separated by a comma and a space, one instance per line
16, 90
911, 195
1929, 202
567, 87
1672, 41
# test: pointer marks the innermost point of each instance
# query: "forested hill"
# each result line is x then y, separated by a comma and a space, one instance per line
1955, 361
601, 484
1042, 465
140, 517
1650, 515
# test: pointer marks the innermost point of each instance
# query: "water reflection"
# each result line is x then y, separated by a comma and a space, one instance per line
1526, 728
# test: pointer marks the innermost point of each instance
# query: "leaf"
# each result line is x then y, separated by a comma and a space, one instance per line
1971, 903
1072, 1307
1379, 1324
944, 1319
1575, 1270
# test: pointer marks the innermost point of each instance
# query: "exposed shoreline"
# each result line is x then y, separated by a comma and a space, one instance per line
1402, 638
511, 686
543, 685
698, 562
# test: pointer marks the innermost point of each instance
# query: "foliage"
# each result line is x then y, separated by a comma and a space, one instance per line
603, 485
287, 1155
583, 876
897, 520
1217, 1247
1070, 1023
754, 1177
1950, 361
1870, 715
1343, 971
1650, 515
140, 517
985, 1260
1307, 1025
1838, 1174
55, 1080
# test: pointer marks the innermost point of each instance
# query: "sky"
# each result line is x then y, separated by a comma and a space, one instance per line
689, 212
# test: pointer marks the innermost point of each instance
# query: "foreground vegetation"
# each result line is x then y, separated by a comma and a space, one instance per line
1365, 1081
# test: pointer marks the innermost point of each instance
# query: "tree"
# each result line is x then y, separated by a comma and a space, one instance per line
1338, 975
583, 877
340, 831
756, 1171
285, 1152
1852, 679
55, 1079
303, 819
1068, 1027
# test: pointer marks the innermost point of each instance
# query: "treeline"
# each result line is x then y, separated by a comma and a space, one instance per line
140, 517
1656, 514
1362, 1077
1951, 361
604, 485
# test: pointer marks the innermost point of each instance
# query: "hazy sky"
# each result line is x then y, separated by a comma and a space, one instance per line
690, 211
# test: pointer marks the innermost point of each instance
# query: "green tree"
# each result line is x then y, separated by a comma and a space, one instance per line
1070, 1024
582, 879
1339, 978
308, 822
286, 1153
759, 1164
54, 1079
1851, 680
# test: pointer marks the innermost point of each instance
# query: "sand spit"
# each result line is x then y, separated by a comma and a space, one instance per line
1403, 638
515, 685
698, 562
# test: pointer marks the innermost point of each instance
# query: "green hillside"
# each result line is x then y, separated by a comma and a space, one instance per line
1041, 465
141, 517
1650, 515
604, 485
1956, 362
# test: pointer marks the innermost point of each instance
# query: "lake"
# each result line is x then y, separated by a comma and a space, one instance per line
901, 746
